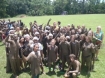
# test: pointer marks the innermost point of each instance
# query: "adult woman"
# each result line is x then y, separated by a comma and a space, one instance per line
98, 35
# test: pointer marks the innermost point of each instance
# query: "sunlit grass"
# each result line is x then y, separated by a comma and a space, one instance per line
90, 21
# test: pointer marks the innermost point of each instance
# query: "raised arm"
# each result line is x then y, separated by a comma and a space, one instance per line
48, 22
93, 48
8, 39
58, 33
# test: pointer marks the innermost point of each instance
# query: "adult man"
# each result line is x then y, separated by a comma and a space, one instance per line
14, 54
74, 67
34, 59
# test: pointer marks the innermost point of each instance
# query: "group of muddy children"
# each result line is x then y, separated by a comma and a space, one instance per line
55, 46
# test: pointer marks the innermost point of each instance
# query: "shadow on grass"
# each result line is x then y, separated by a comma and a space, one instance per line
12, 76
27, 70
50, 73
59, 73
84, 72
1, 44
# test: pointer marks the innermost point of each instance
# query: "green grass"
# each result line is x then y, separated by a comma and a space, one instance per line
90, 21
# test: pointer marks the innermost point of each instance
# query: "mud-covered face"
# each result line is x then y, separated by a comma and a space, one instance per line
73, 38
72, 59
22, 39
35, 30
58, 39
68, 39
54, 24
63, 30
52, 42
90, 34
15, 37
62, 39
36, 47
35, 41
25, 31
87, 39
12, 38
50, 37
17, 28
82, 37
73, 31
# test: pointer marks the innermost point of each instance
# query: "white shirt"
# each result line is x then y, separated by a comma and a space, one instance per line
40, 46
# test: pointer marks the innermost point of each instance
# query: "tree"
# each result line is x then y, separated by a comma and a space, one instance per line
48, 7
3, 5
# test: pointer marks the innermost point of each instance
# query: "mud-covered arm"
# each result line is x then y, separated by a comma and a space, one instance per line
28, 58
77, 69
8, 39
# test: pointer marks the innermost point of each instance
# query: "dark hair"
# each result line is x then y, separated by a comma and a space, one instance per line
27, 31
35, 21
59, 22
20, 39
89, 28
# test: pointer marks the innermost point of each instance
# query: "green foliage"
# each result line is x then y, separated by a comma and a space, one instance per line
49, 7
3, 8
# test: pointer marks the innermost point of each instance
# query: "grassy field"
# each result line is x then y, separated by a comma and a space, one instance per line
90, 21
